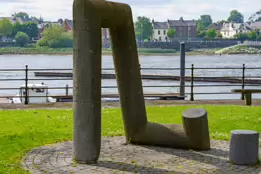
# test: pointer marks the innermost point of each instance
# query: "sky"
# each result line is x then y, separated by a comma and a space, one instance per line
159, 10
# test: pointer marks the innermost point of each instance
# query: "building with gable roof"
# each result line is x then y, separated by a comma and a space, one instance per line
185, 29
230, 29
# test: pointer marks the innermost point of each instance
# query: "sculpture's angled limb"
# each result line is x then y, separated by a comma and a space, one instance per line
89, 16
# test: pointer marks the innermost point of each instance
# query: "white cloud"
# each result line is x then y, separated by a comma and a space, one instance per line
158, 9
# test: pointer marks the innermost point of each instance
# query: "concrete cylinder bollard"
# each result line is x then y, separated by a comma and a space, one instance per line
195, 123
244, 147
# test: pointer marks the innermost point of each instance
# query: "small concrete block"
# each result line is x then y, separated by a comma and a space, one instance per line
244, 147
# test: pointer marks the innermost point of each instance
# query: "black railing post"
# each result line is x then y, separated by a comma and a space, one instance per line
192, 83
26, 86
67, 90
243, 81
182, 69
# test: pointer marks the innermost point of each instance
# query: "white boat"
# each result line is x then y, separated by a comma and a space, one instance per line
37, 93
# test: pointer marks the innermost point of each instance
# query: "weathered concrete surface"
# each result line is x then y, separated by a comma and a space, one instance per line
244, 146
89, 16
116, 157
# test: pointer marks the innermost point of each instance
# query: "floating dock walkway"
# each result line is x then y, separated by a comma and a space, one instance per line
161, 77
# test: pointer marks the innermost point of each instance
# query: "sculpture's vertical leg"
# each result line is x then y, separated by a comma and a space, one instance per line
87, 83
128, 75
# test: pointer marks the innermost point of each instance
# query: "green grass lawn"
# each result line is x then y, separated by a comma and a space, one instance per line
22, 130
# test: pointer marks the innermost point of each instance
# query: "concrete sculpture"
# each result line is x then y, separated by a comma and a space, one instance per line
89, 16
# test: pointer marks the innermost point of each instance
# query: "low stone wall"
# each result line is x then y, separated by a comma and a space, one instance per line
189, 45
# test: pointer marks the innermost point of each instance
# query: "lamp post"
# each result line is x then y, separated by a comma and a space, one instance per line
188, 32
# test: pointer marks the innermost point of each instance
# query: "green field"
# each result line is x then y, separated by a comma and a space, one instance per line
22, 130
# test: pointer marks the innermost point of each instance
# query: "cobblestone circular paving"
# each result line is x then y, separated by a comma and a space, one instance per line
117, 157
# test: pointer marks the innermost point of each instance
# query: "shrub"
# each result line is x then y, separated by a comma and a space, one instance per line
21, 39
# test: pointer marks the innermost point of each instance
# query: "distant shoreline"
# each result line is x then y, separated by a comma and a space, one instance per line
141, 51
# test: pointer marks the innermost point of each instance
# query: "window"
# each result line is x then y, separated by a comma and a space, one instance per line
158, 32
164, 32
180, 33
159, 38
39, 90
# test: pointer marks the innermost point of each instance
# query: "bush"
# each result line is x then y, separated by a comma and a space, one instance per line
21, 39
63, 41
42, 42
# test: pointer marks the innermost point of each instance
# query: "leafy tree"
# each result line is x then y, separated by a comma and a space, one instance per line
255, 17
206, 20
171, 33
16, 28
144, 28
241, 36
21, 15
211, 33
21, 39
200, 26
201, 34
252, 35
54, 37
30, 28
5, 27
236, 17
53, 32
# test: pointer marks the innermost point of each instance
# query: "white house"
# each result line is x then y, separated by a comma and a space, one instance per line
185, 29
229, 30
160, 30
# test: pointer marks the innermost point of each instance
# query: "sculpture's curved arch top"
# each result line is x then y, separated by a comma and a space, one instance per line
89, 16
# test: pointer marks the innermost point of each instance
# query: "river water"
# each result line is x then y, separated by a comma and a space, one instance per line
65, 62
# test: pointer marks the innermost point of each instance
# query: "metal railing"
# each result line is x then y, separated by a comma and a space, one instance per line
240, 81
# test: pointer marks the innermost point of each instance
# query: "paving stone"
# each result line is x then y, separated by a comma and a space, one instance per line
119, 158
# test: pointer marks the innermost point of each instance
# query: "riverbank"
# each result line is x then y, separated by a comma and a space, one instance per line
238, 49
242, 49
69, 51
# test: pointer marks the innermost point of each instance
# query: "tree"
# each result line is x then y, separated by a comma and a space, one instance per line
21, 39
30, 28
200, 26
206, 20
203, 22
236, 17
53, 32
16, 28
5, 27
255, 17
211, 33
201, 34
21, 15
252, 35
144, 28
171, 33
241, 36
55, 37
